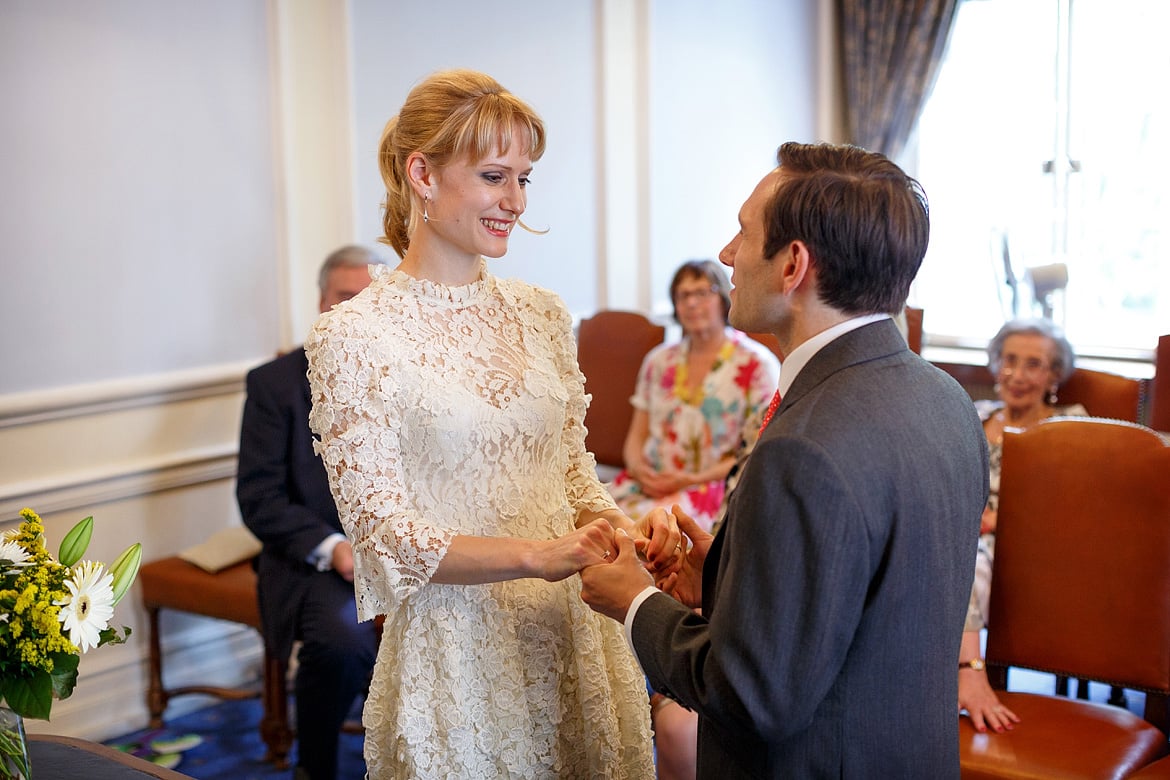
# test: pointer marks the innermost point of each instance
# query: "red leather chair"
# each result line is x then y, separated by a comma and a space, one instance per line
1101, 393
1160, 387
771, 342
1159, 770
914, 328
1081, 589
610, 347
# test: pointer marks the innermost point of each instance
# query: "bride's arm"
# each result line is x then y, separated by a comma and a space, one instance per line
473, 560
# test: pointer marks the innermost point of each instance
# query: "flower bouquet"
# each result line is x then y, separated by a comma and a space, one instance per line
51, 611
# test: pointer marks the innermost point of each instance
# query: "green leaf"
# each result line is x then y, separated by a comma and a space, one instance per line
64, 676
30, 697
110, 636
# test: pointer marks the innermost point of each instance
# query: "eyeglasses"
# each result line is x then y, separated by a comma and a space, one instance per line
1010, 364
701, 294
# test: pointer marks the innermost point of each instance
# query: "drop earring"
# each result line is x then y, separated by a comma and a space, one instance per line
1052, 396
426, 200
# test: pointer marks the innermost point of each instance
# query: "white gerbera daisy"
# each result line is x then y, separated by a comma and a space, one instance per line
86, 612
14, 553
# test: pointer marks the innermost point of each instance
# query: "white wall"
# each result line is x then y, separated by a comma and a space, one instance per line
138, 238
137, 232
175, 172
729, 82
544, 53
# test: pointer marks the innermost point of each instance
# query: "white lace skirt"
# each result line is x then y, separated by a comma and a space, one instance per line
517, 679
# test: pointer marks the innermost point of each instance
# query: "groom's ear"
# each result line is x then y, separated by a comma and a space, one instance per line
793, 266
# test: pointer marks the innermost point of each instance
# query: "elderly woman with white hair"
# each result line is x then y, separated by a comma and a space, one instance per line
1030, 359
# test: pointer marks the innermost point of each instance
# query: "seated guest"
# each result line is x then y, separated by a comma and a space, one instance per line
697, 406
305, 568
1030, 359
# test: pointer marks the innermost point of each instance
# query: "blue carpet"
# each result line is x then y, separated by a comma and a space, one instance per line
231, 747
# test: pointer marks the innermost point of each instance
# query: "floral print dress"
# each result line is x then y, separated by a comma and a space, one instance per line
693, 431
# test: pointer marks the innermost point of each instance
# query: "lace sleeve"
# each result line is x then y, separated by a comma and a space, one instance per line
395, 552
583, 489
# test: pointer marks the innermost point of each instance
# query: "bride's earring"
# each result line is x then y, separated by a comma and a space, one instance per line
426, 200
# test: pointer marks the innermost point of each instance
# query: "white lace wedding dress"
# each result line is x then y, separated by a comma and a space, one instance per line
458, 410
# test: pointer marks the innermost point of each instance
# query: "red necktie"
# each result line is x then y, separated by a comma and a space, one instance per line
772, 407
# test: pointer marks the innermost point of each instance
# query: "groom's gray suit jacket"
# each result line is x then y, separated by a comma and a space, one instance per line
835, 592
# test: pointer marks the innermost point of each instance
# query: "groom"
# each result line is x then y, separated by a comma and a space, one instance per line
833, 596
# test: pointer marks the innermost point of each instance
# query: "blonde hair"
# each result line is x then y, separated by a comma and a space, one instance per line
452, 114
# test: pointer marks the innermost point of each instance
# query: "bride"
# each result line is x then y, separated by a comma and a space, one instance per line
449, 408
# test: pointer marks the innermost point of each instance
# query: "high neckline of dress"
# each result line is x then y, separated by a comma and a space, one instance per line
458, 295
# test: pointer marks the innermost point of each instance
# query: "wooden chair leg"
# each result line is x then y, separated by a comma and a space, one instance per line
156, 695
274, 728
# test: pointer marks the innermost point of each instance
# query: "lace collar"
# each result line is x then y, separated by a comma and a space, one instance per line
461, 295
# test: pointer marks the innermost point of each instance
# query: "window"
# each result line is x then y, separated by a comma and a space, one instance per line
1046, 142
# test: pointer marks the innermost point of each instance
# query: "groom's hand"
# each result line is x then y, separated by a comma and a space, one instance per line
609, 588
686, 582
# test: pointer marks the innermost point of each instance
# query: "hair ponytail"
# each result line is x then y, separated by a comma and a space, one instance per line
397, 208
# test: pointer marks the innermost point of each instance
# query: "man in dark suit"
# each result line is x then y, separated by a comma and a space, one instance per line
834, 594
305, 568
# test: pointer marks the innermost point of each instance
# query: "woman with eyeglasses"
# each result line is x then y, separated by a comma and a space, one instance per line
1030, 359
696, 404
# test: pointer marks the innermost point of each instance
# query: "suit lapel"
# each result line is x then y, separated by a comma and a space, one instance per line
869, 342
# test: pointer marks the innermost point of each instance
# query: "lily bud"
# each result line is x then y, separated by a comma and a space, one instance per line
75, 543
125, 569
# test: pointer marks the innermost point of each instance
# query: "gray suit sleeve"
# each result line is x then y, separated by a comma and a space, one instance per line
792, 580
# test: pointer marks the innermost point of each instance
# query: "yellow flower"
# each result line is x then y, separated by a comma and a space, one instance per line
50, 614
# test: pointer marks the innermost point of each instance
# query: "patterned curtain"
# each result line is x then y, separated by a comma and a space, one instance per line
891, 51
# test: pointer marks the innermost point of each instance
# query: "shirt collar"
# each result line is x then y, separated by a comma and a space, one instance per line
796, 361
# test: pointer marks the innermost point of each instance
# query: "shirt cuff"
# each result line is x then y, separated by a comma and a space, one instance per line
646, 593
322, 556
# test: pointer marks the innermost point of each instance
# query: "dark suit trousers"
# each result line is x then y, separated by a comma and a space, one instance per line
334, 665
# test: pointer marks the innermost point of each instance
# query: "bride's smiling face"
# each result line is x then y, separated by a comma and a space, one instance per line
475, 204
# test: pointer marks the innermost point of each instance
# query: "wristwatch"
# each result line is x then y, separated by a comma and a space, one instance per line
975, 663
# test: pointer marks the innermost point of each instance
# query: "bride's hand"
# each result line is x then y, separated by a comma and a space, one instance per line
591, 544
